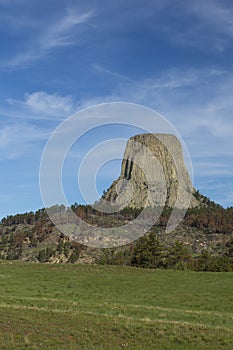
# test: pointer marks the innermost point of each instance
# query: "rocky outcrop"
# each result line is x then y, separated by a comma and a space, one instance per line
153, 173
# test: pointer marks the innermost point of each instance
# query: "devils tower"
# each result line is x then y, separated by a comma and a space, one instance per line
153, 173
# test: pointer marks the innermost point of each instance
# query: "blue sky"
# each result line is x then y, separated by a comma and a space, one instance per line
57, 57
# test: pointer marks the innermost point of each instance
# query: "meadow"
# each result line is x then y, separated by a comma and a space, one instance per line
67, 306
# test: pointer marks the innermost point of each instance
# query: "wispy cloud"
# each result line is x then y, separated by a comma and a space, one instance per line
164, 88
43, 104
180, 78
198, 102
212, 26
215, 13
100, 69
61, 33
175, 87
211, 167
18, 139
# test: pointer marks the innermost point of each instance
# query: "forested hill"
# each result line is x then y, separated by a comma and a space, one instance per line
205, 233
212, 218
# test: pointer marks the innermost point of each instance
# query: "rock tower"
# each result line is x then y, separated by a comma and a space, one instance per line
153, 173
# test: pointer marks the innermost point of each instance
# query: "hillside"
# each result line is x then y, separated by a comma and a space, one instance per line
33, 237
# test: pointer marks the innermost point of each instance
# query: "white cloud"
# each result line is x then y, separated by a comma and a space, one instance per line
59, 34
49, 103
42, 103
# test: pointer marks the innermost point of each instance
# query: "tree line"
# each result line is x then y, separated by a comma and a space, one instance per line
213, 218
149, 252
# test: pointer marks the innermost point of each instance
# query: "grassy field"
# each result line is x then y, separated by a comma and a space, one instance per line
46, 306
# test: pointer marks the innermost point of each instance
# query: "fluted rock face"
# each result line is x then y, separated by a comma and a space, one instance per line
153, 173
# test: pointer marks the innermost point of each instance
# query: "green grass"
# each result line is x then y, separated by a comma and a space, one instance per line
46, 306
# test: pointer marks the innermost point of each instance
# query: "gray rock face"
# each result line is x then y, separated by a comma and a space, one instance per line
153, 173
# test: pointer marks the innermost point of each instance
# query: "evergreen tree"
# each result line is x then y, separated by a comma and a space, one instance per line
148, 252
